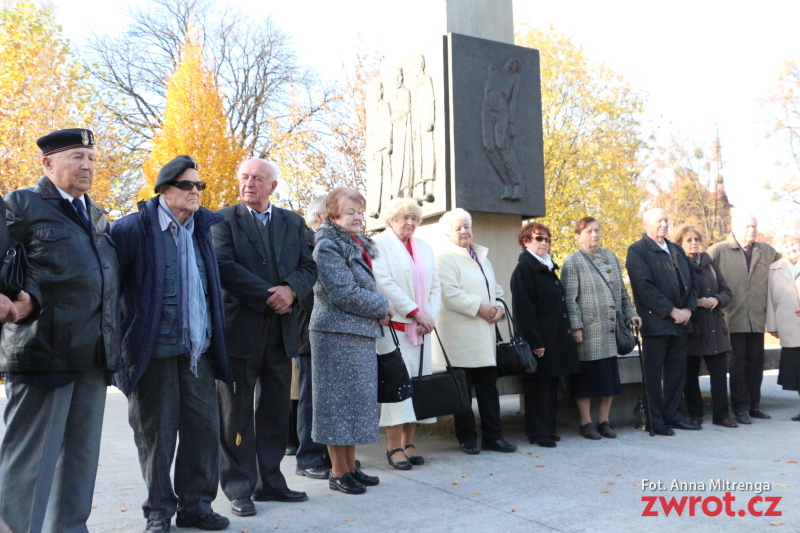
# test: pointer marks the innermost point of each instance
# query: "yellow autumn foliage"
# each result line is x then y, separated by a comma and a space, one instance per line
593, 145
194, 124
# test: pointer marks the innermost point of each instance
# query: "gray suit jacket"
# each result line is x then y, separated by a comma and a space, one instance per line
245, 276
346, 297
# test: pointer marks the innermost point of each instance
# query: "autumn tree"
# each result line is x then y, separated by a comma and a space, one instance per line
783, 107
44, 88
271, 104
593, 144
194, 124
688, 182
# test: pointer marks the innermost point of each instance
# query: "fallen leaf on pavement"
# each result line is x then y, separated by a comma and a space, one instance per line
477, 493
776, 523
732, 468
604, 492
782, 485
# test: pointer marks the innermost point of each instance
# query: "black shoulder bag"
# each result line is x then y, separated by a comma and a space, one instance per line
394, 383
12, 271
440, 394
513, 357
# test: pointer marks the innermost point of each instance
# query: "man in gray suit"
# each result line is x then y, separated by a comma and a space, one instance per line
59, 364
266, 267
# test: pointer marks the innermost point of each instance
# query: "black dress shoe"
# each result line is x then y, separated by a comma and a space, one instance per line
684, 424
606, 430
157, 525
288, 496
796, 418
726, 422
470, 448
291, 450
416, 460
403, 464
758, 413
243, 507
207, 522
544, 442
364, 479
315, 472
347, 484
743, 417
663, 431
499, 445
588, 431
555, 437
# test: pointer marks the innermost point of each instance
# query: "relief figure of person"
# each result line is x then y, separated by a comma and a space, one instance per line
498, 116
379, 150
402, 158
423, 120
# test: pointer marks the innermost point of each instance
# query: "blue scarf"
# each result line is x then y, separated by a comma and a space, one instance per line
194, 314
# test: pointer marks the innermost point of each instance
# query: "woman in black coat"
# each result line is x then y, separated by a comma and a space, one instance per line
709, 336
540, 309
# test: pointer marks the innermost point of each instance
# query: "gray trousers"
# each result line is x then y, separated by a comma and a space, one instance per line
169, 405
49, 454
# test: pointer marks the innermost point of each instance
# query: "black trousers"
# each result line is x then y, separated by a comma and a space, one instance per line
484, 379
718, 373
541, 401
169, 405
746, 368
309, 454
254, 442
664, 355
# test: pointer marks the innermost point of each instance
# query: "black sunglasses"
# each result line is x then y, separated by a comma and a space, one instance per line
186, 185
541, 238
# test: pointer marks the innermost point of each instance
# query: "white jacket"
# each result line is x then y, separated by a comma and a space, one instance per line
782, 300
468, 339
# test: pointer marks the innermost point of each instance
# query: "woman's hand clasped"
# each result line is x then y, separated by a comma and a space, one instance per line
424, 323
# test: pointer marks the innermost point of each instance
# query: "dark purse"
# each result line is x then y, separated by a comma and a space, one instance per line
623, 333
394, 383
440, 394
12, 271
513, 357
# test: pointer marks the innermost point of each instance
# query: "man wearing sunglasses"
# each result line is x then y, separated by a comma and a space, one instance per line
173, 347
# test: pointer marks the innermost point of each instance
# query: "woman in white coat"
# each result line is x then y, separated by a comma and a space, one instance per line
783, 313
405, 272
466, 325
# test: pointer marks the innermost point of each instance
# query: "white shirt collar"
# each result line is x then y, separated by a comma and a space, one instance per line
254, 212
68, 197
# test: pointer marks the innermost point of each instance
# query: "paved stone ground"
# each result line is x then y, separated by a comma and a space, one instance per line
580, 486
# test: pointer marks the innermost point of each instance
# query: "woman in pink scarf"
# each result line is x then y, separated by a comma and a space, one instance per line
405, 271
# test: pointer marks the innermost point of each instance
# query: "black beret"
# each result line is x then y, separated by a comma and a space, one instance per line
61, 140
172, 170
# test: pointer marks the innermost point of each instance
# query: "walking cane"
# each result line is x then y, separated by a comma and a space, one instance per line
644, 380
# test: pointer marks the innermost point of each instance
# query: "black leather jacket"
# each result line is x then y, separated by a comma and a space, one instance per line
77, 276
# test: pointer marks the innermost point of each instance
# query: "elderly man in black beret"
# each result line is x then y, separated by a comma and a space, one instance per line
173, 347
58, 363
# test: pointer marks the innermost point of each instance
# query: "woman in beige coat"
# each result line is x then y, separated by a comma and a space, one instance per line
405, 272
783, 313
466, 325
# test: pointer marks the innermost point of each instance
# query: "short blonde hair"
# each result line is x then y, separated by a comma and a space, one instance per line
684, 230
399, 207
451, 217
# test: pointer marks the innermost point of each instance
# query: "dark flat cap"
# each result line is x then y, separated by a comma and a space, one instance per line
61, 140
172, 170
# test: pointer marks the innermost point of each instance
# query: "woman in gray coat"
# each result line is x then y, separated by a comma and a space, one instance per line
587, 275
348, 312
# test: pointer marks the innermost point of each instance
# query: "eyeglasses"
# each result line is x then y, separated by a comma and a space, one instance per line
540, 238
186, 185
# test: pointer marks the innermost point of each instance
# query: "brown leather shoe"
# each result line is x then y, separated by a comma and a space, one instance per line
726, 422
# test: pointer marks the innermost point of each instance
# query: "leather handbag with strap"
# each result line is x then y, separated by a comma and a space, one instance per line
440, 394
513, 357
12, 271
626, 341
394, 383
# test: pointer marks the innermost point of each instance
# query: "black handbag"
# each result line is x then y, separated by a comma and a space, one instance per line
440, 394
626, 341
513, 357
12, 271
394, 383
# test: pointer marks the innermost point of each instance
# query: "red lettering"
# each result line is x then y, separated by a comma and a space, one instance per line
773, 503
672, 503
648, 509
716, 501
694, 500
751, 507
729, 499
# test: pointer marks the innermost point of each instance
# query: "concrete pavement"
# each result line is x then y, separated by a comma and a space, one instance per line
580, 486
